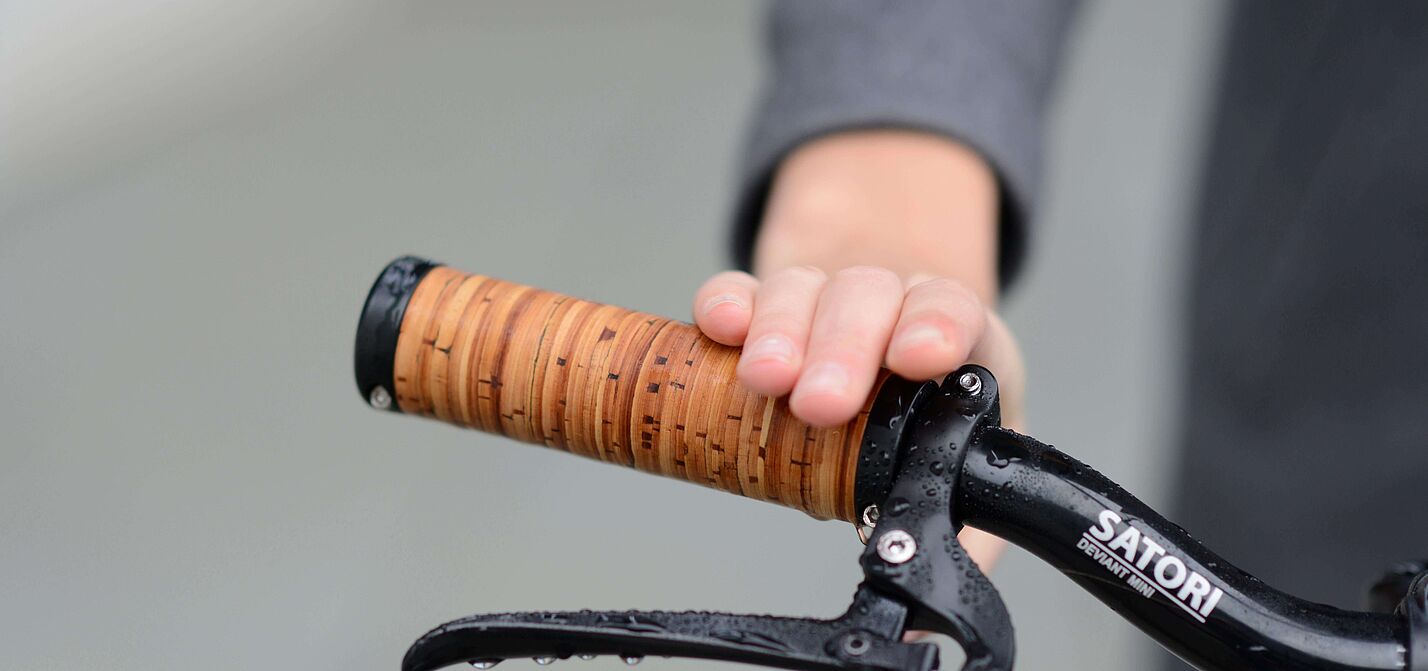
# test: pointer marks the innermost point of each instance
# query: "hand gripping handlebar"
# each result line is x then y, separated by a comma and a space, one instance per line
921, 460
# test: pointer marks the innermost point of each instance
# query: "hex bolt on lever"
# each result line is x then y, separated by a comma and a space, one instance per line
916, 577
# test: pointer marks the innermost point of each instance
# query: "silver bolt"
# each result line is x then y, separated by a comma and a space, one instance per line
870, 515
970, 383
896, 546
380, 398
855, 645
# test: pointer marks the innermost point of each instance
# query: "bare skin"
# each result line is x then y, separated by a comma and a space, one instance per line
878, 248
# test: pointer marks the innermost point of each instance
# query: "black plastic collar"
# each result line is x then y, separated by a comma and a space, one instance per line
381, 322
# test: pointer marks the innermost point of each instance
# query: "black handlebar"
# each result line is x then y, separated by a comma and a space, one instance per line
1156, 575
944, 461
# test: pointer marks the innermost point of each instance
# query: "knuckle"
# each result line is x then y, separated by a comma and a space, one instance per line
947, 289
804, 274
868, 275
939, 285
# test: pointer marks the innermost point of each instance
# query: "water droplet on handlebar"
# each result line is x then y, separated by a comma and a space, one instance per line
543, 661
587, 656
898, 506
936, 467
633, 659
484, 663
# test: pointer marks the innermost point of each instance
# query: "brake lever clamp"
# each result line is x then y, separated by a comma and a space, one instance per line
917, 576
913, 552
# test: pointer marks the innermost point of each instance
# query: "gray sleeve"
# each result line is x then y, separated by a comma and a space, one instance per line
978, 71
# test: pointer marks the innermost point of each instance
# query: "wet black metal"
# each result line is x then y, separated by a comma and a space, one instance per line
867, 636
878, 455
936, 458
381, 322
942, 586
1047, 502
937, 589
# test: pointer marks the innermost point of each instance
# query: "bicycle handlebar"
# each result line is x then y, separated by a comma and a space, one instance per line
595, 380
654, 394
1155, 574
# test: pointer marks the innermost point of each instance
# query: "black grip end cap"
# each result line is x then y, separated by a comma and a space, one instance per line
379, 326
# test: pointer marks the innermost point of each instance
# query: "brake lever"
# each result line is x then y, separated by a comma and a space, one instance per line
867, 636
917, 577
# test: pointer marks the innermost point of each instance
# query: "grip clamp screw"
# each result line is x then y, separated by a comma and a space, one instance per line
380, 398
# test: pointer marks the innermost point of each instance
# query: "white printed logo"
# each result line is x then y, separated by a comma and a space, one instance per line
1124, 551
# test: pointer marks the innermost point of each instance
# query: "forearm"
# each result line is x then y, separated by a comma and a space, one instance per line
916, 203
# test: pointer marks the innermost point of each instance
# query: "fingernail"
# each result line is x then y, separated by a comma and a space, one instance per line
824, 378
770, 348
721, 299
918, 335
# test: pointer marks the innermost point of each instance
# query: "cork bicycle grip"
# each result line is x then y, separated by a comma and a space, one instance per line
602, 382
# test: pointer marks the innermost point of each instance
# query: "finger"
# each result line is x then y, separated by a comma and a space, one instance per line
778, 334
941, 321
984, 548
851, 325
724, 305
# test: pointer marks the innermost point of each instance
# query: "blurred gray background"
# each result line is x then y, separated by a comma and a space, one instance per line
194, 198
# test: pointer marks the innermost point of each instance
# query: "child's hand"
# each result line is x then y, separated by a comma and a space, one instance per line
904, 226
821, 339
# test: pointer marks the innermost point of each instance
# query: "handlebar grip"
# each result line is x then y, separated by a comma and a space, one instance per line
595, 380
